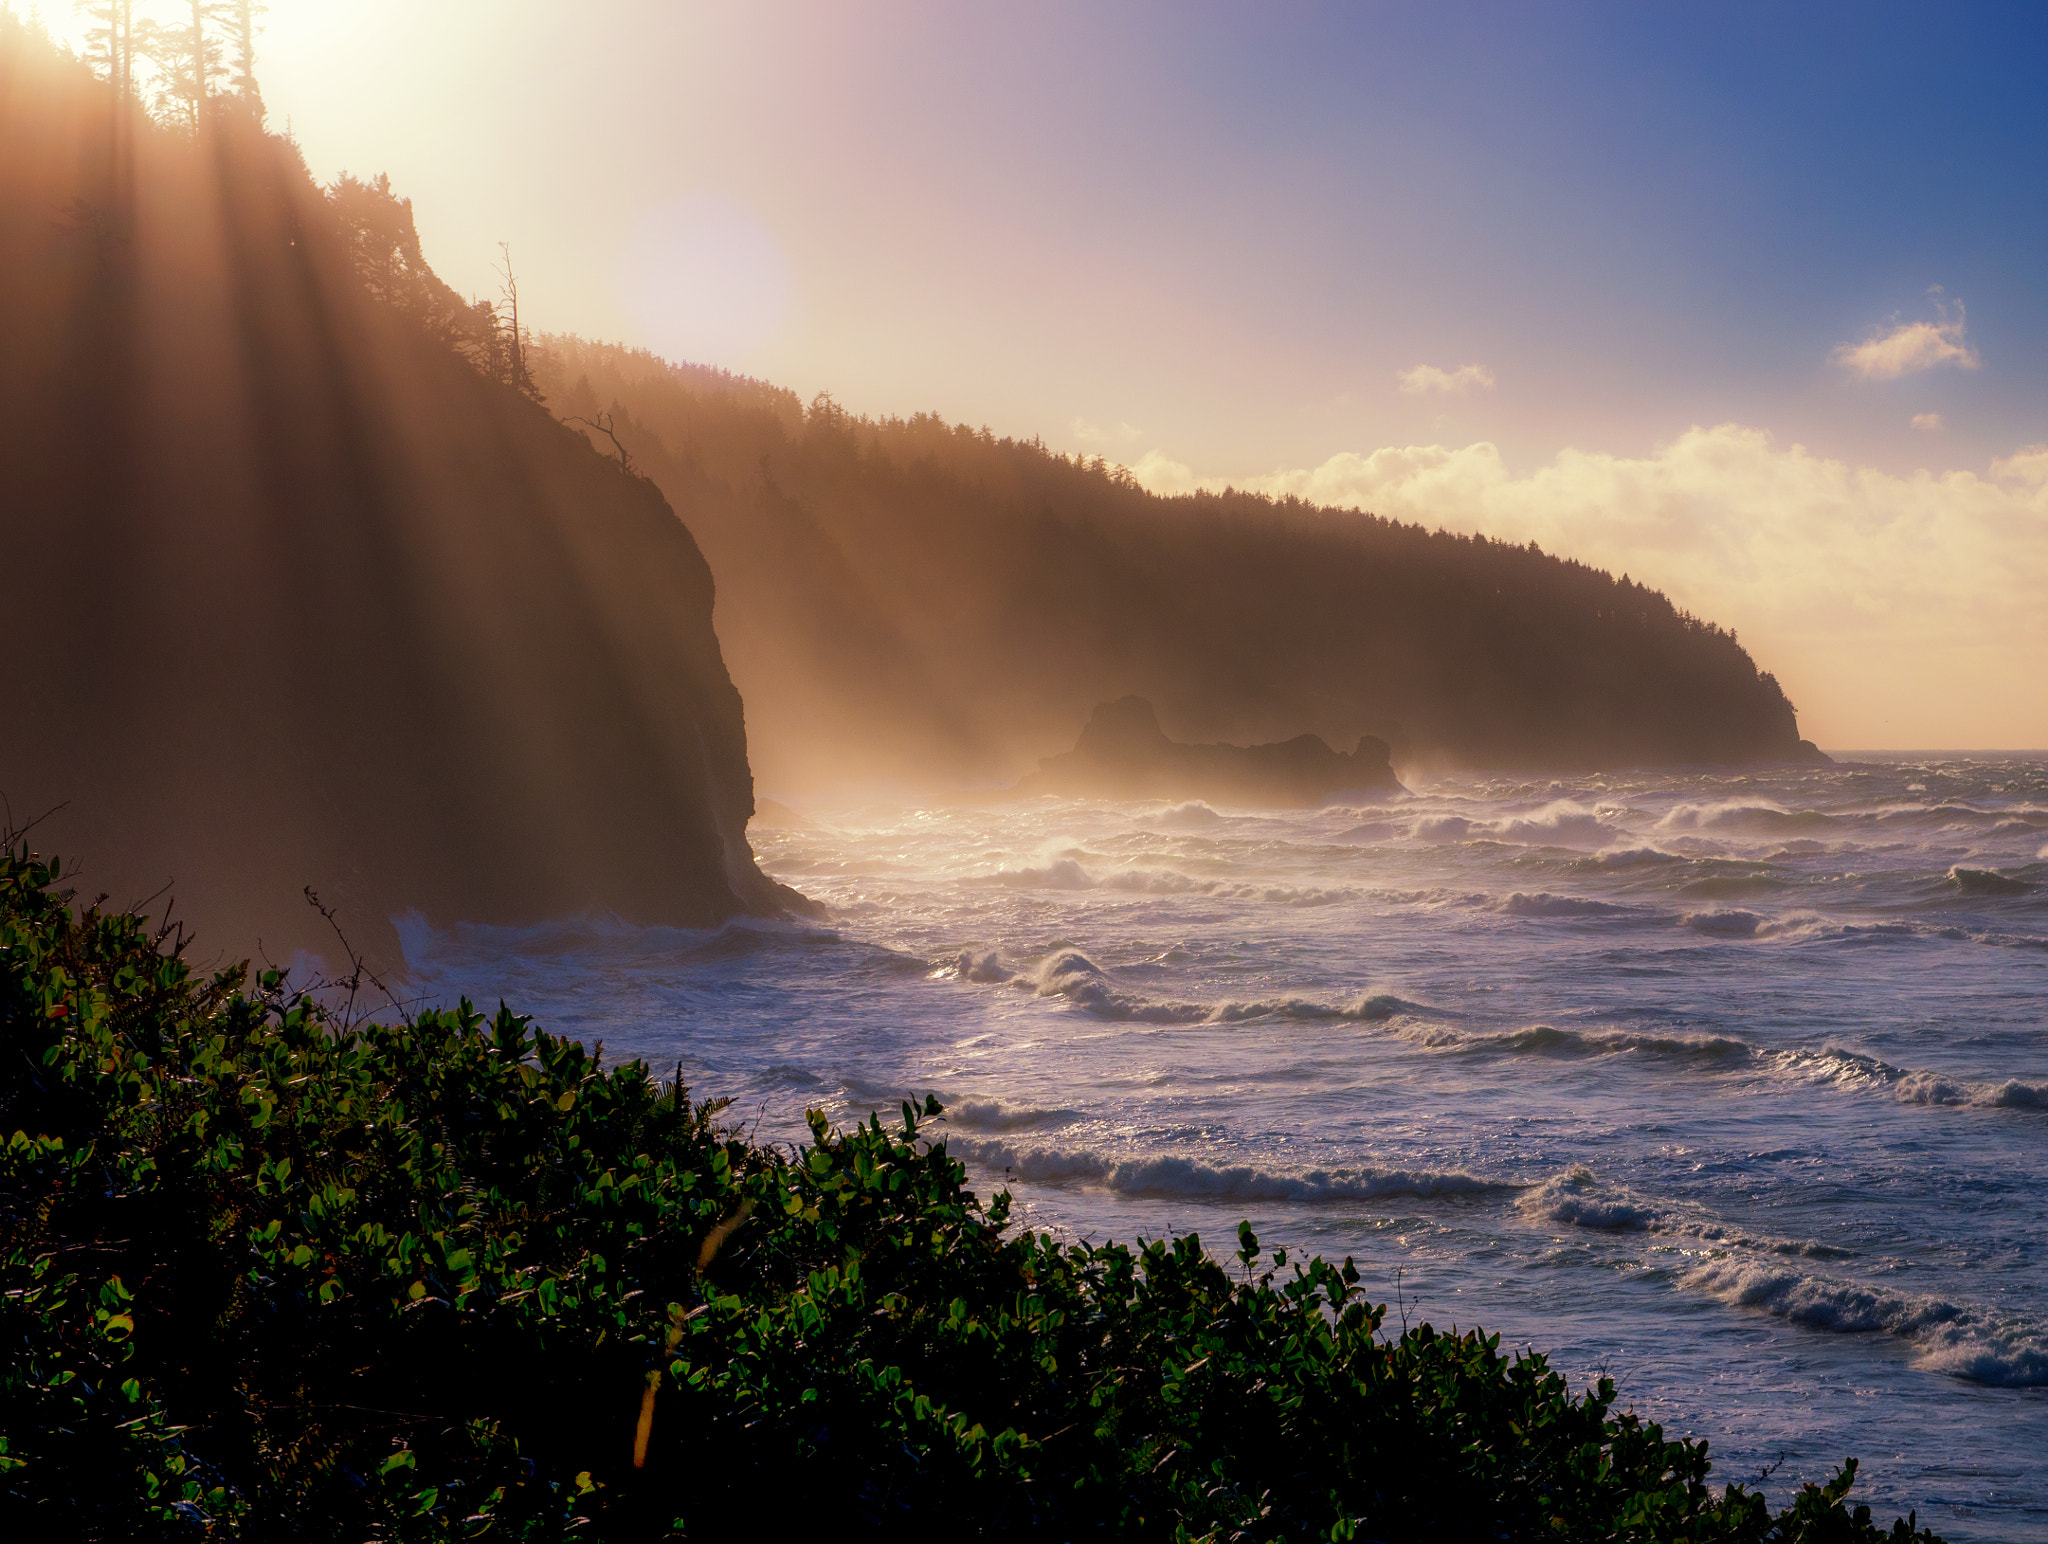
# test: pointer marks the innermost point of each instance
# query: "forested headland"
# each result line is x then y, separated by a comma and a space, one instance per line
307, 586
918, 600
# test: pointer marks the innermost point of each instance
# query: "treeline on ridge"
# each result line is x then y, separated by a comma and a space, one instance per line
912, 598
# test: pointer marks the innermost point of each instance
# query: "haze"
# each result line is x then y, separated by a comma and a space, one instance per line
1743, 302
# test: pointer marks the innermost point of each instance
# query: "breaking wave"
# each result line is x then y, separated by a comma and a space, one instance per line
1578, 1199
994, 1115
1169, 1175
1071, 975
1831, 1064
1975, 881
1548, 905
1961, 1339
1545, 1040
1745, 817
1561, 823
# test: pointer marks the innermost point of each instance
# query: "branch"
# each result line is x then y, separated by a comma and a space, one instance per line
603, 424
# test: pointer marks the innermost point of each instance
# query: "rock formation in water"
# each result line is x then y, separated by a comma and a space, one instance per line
303, 588
1124, 754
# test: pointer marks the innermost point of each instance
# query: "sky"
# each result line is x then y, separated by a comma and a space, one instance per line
1748, 301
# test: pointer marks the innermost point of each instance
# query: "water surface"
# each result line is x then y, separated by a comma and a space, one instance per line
1732, 1086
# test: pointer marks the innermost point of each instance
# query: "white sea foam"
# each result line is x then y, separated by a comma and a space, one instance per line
1577, 1198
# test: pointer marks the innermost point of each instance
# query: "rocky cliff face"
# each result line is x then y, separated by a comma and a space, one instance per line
298, 596
1124, 754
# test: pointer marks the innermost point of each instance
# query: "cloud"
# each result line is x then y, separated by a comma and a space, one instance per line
1094, 434
1423, 379
1933, 423
1911, 347
1899, 609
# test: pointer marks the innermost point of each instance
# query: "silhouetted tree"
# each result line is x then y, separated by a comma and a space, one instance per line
112, 40
240, 16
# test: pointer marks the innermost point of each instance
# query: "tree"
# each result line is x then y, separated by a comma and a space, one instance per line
242, 29
190, 59
113, 40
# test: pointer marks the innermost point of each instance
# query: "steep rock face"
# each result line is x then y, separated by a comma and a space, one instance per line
299, 597
1124, 754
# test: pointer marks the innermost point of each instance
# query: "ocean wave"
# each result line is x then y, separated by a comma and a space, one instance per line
1060, 874
1066, 873
1191, 816
1834, 1065
1171, 1175
1561, 823
994, 1115
1072, 975
1156, 882
1724, 922
1976, 881
1961, 1339
1545, 904
1745, 817
1369, 831
1935, 1088
1845, 1068
1578, 1199
1547, 1040
1724, 886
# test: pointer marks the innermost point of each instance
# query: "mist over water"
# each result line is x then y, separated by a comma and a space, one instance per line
1732, 1085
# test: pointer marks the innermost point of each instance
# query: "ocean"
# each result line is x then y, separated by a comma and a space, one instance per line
1729, 1085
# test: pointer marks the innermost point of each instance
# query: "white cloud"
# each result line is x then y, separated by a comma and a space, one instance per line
1903, 610
1095, 434
1423, 379
1933, 423
1911, 347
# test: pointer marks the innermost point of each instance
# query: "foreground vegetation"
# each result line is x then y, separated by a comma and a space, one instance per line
272, 1273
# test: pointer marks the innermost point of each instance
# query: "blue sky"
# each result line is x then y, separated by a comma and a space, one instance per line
1639, 245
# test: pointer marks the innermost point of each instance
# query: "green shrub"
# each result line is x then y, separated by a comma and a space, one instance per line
270, 1273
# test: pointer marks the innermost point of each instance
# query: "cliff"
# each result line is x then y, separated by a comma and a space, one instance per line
299, 593
1124, 754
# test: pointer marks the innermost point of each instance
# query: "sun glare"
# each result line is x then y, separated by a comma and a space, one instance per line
703, 279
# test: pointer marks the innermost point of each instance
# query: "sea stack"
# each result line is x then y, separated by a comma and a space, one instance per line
1124, 754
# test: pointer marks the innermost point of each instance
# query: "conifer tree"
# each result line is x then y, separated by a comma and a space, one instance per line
241, 19
112, 39
189, 57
